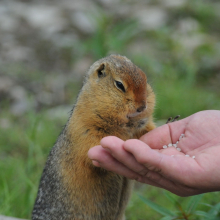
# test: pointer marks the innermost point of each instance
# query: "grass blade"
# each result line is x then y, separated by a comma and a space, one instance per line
170, 197
206, 215
215, 210
163, 211
168, 218
193, 203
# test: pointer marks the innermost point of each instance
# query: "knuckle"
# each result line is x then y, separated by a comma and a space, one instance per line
143, 172
140, 159
153, 176
139, 179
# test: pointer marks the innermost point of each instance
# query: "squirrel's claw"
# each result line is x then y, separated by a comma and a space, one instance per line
170, 118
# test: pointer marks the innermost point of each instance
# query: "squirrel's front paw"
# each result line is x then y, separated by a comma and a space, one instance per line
170, 119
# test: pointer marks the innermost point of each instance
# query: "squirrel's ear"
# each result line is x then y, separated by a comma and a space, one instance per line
101, 71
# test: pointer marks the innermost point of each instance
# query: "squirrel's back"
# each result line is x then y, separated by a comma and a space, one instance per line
114, 100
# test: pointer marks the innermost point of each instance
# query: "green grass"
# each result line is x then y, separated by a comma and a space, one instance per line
24, 149
183, 80
176, 98
138, 210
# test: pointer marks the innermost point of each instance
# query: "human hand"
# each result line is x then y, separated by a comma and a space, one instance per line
154, 165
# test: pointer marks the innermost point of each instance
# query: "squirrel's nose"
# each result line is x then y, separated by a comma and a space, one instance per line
141, 108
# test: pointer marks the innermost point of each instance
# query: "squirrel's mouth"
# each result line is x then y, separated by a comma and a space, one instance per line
136, 113
132, 115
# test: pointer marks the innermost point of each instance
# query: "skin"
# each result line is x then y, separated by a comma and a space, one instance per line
146, 161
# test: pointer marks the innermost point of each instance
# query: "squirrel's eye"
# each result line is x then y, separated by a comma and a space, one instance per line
120, 86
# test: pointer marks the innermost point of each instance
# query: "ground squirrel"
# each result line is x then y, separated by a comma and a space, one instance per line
115, 100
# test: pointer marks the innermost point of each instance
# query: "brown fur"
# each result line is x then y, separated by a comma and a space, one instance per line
71, 187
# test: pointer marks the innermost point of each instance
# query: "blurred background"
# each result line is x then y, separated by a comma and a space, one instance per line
47, 46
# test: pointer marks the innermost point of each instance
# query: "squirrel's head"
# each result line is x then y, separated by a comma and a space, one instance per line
116, 85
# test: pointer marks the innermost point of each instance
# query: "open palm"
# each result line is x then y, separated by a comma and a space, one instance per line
147, 161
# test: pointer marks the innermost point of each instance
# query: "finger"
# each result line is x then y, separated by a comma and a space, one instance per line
115, 146
156, 179
96, 163
144, 154
151, 178
104, 159
179, 169
165, 134
167, 184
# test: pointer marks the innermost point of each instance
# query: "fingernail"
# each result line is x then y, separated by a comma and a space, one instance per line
107, 149
95, 163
